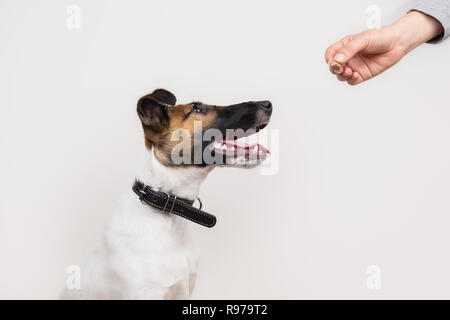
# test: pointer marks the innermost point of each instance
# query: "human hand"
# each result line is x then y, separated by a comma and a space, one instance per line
357, 58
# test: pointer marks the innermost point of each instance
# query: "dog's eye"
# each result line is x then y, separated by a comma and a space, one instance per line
197, 109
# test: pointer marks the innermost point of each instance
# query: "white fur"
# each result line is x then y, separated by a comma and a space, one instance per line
144, 253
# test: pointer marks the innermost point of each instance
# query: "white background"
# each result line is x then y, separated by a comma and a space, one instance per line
364, 175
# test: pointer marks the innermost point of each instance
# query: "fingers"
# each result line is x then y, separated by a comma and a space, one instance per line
344, 76
355, 79
344, 50
356, 44
352, 78
333, 49
340, 53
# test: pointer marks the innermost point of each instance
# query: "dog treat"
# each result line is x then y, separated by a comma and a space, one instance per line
335, 66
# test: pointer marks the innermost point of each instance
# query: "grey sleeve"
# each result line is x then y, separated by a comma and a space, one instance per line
440, 10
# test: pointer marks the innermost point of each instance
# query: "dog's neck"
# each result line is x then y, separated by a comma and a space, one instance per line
181, 182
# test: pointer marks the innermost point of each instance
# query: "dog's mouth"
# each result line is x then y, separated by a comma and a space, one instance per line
236, 151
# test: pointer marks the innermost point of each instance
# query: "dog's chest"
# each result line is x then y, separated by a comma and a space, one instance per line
153, 244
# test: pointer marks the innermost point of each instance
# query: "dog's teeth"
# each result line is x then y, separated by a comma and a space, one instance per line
233, 148
217, 145
255, 148
224, 147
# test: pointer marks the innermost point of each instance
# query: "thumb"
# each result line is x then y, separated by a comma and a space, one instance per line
348, 51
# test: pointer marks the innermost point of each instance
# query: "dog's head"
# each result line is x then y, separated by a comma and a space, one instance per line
198, 134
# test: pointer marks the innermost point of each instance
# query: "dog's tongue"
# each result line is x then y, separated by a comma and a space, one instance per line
243, 145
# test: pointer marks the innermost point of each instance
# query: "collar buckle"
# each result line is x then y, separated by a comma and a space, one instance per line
167, 202
200, 203
142, 193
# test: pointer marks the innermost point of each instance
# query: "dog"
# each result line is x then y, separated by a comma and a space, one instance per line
145, 251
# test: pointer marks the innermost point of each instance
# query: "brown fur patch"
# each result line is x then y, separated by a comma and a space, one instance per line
180, 117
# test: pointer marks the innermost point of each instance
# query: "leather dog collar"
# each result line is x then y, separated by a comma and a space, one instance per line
172, 204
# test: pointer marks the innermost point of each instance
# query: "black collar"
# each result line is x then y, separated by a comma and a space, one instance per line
172, 204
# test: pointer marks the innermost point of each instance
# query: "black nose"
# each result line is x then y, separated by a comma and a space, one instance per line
265, 104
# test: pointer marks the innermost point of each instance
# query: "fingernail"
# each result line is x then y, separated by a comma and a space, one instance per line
339, 57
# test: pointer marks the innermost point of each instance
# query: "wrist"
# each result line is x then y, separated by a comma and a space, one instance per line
414, 29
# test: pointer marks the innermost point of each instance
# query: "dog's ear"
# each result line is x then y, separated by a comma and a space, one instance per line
164, 96
152, 108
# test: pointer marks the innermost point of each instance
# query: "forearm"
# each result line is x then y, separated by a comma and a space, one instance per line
414, 29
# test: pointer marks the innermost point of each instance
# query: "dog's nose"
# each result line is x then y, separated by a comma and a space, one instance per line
265, 104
